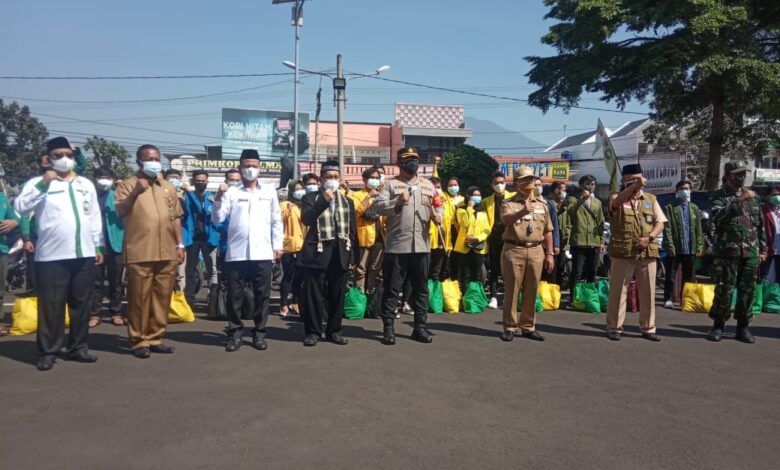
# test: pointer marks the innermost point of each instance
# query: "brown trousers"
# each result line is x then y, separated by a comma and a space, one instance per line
370, 266
149, 290
521, 269
621, 273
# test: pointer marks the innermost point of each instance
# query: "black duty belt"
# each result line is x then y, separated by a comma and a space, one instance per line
523, 244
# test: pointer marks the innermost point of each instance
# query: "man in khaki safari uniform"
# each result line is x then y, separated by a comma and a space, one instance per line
528, 248
636, 221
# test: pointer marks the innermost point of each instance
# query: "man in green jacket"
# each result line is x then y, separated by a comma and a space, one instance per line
586, 231
9, 221
683, 240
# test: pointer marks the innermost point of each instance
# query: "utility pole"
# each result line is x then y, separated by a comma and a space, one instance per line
317, 126
297, 19
340, 86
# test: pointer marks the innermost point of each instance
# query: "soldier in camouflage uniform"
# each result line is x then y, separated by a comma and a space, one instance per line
739, 242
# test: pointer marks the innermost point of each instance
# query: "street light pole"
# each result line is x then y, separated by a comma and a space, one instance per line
340, 108
297, 18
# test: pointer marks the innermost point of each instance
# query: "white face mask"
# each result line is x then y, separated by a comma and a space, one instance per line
234, 184
299, 193
250, 173
151, 169
374, 183
537, 191
499, 188
312, 188
563, 194
104, 184
63, 165
381, 178
176, 182
333, 185
684, 194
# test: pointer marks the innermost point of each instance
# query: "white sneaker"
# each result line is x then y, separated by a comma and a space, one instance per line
408, 309
668, 304
493, 303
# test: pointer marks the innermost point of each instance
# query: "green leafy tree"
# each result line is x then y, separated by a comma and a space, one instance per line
472, 166
682, 57
22, 142
107, 153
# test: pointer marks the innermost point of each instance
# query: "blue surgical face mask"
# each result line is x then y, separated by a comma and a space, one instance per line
684, 194
333, 185
476, 200
374, 183
453, 190
299, 193
775, 200
151, 169
176, 182
234, 184
382, 178
312, 188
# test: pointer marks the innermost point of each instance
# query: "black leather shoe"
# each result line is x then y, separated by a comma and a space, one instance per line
534, 335
259, 343
162, 349
651, 337
422, 336
45, 363
744, 335
715, 334
142, 353
613, 335
338, 339
389, 337
83, 357
233, 344
507, 336
311, 340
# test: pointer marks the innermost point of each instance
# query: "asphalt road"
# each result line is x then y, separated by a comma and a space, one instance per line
467, 400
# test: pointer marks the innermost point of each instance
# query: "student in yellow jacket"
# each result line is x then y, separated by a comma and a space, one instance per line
369, 230
473, 232
441, 235
294, 232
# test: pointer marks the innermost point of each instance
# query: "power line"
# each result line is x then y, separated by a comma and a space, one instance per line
145, 77
130, 127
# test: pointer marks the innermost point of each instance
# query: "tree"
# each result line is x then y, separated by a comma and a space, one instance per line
107, 153
22, 142
472, 166
682, 57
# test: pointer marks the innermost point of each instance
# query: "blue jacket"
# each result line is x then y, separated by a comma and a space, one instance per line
191, 207
113, 228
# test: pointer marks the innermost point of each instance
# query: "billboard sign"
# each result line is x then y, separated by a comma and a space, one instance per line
548, 170
271, 133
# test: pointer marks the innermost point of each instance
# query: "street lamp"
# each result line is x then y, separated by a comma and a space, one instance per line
297, 18
339, 87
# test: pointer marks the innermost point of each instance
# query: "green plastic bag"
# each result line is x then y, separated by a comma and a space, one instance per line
586, 297
758, 299
355, 304
474, 300
435, 297
771, 293
603, 287
539, 306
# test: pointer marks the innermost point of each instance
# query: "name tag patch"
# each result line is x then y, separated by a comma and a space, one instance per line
648, 205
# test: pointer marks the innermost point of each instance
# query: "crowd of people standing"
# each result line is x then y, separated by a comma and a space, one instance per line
388, 238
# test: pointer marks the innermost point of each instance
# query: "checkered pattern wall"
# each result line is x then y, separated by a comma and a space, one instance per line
429, 116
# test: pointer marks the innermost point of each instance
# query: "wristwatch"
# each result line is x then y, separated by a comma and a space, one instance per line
651, 238
180, 245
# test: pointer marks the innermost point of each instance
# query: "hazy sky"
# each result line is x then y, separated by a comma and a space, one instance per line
473, 45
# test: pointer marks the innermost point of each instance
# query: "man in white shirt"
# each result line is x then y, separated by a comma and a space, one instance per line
255, 238
70, 244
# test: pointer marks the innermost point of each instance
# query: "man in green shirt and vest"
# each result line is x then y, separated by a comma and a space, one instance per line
636, 221
585, 218
739, 244
683, 240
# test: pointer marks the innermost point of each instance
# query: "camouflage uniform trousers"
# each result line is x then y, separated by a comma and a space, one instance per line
731, 273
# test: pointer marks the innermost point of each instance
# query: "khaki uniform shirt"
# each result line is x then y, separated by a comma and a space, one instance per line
532, 227
408, 227
149, 234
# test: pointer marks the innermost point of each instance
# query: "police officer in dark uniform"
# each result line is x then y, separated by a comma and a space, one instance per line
407, 201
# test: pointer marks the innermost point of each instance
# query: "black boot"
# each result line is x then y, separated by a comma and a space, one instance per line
389, 331
211, 310
716, 333
420, 332
743, 334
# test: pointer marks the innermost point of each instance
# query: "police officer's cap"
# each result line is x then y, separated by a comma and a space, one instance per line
407, 152
524, 172
735, 167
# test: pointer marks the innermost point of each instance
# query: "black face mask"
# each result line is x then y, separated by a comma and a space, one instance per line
200, 187
410, 166
738, 180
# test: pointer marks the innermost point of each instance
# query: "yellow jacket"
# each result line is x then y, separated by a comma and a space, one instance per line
294, 230
446, 227
489, 203
366, 229
472, 224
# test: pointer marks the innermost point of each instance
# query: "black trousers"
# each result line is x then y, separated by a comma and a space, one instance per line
257, 275
438, 266
291, 280
671, 263
585, 260
322, 298
66, 282
556, 277
112, 271
766, 267
191, 270
495, 246
397, 268
30, 273
470, 268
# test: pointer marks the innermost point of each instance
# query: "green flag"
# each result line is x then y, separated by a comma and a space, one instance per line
605, 149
